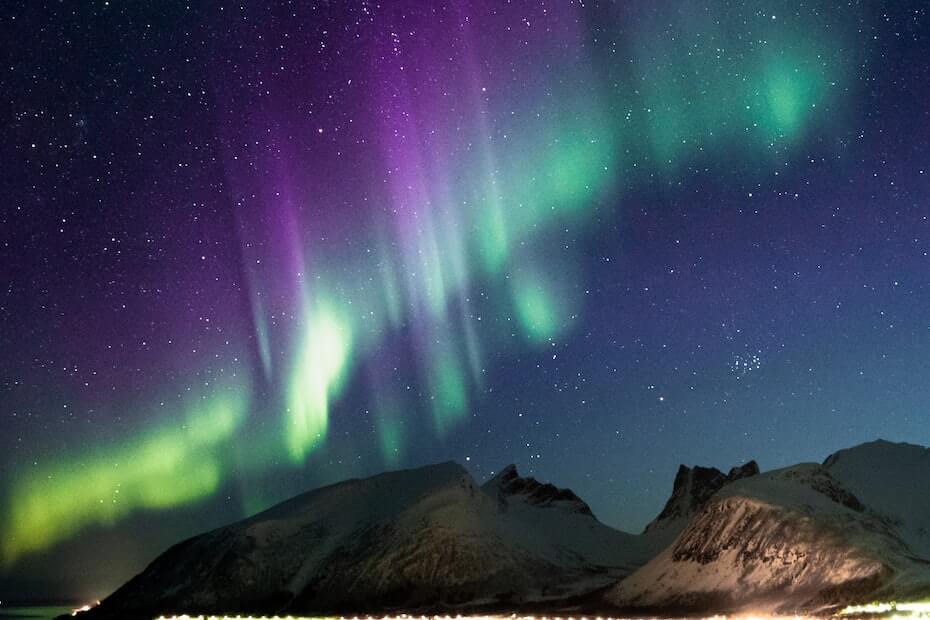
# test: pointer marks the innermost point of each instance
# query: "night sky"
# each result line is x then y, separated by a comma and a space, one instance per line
246, 250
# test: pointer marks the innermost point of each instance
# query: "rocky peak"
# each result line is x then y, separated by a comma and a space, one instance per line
503, 477
693, 487
508, 483
743, 471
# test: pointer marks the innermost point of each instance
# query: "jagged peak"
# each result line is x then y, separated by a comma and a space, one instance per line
507, 482
750, 468
694, 486
507, 473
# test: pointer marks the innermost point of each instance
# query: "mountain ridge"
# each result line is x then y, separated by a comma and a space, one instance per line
808, 537
429, 537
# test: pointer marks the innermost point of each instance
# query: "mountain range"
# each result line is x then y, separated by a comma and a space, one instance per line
804, 539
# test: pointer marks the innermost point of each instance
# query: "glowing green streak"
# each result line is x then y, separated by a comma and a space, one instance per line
167, 467
576, 168
453, 251
318, 373
738, 97
493, 240
391, 438
473, 349
449, 394
556, 165
492, 233
433, 274
392, 296
668, 135
789, 91
261, 333
536, 310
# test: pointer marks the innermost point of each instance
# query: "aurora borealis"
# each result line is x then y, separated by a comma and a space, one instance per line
248, 249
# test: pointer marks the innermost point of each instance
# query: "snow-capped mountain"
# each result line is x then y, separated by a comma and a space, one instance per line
422, 538
804, 538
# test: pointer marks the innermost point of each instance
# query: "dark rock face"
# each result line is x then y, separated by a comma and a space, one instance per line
536, 493
743, 471
694, 487
752, 535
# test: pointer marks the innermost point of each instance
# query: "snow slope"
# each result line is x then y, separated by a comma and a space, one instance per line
804, 538
893, 480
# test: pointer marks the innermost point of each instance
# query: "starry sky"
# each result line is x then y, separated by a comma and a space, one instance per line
247, 249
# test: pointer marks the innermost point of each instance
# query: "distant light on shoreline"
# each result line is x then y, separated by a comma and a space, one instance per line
83, 608
378, 617
894, 609
459, 617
